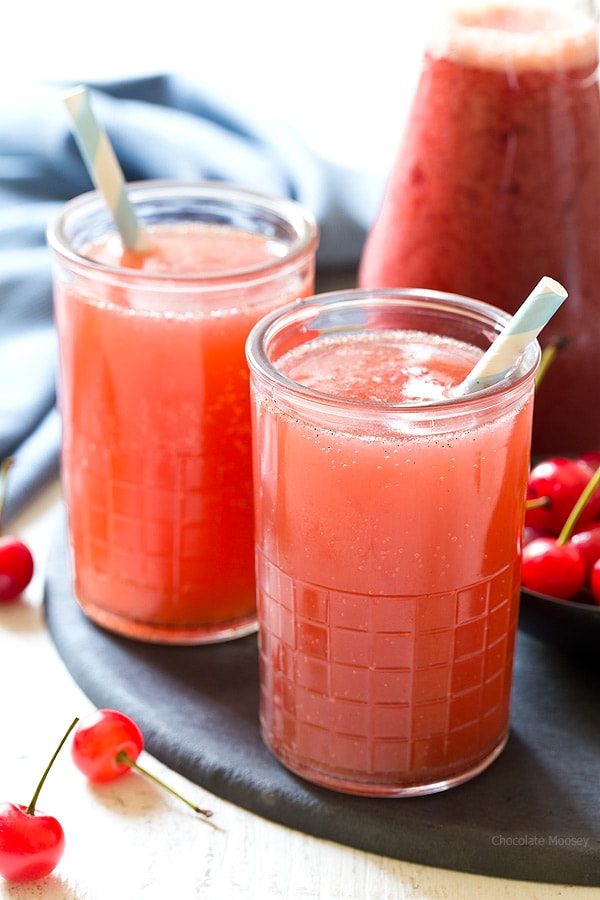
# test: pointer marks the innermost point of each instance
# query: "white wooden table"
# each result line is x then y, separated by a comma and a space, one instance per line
129, 840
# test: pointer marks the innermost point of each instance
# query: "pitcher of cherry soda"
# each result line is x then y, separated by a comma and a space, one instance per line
497, 182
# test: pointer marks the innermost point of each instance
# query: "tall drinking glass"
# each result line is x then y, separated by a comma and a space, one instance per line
156, 462
389, 516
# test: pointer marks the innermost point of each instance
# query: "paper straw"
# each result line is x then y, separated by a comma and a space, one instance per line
104, 168
498, 360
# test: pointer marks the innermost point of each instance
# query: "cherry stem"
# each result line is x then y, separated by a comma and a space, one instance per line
537, 502
4, 468
548, 357
31, 808
567, 529
124, 758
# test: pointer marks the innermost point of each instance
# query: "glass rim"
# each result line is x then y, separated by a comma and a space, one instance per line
288, 210
272, 324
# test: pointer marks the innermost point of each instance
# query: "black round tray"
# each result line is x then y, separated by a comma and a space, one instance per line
568, 624
533, 815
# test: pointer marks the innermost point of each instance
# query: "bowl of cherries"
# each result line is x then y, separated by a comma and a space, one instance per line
560, 579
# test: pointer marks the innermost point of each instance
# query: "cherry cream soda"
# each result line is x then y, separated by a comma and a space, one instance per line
387, 564
156, 423
497, 182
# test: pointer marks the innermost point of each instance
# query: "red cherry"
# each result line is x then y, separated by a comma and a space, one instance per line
551, 568
530, 533
16, 561
106, 746
592, 458
31, 843
561, 481
99, 740
16, 568
595, 581
587, 541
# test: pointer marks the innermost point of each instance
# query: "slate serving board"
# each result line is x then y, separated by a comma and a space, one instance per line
533, 815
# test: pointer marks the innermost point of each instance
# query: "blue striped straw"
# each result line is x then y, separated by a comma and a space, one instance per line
523, 328
104, 168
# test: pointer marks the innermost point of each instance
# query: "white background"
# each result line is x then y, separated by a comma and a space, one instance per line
340, 72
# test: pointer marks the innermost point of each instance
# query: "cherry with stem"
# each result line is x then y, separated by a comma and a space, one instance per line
107, 744
31, 843
554, 565
554, 486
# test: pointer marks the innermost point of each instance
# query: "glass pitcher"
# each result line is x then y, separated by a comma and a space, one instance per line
497, 182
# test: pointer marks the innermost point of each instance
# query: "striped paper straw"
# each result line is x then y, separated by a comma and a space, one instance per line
498, 360
104, 168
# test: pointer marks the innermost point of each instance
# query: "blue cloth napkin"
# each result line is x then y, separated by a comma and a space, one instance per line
162, 126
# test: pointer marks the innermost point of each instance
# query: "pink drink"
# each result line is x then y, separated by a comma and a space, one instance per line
388, 541
497, 182
154, 399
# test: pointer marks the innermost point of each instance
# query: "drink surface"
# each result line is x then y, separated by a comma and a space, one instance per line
382, 367
387, 570
185, 249
524, 37
497, 182
156, 455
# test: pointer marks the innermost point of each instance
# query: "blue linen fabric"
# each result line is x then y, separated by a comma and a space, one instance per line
163, 126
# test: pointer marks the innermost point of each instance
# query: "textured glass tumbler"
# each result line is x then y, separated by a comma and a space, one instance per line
154, 398
388, 544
